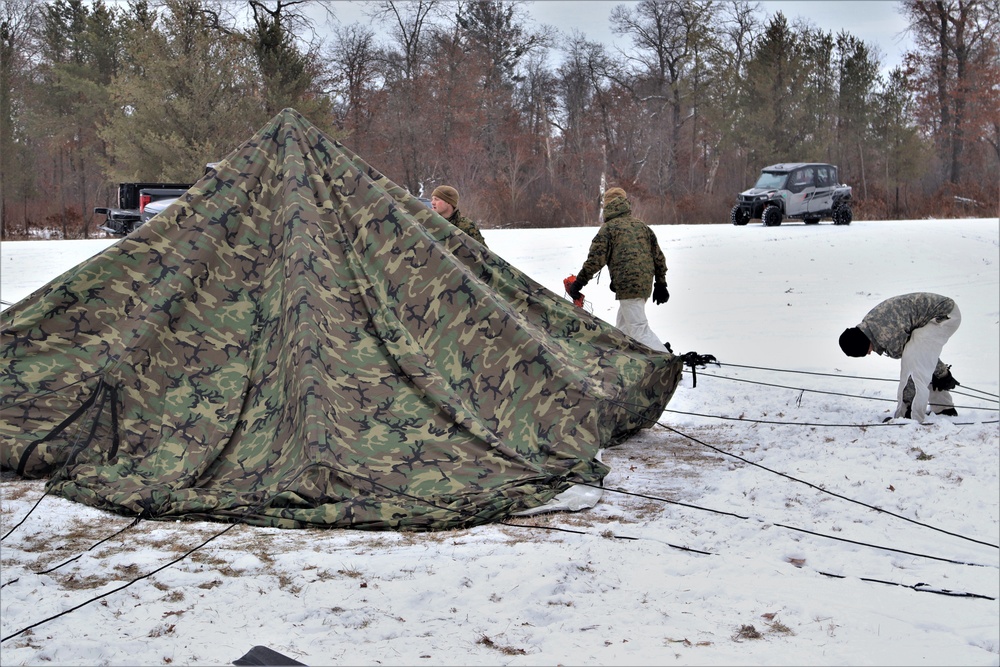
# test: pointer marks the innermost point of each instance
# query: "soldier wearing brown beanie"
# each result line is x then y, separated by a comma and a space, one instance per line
444, 201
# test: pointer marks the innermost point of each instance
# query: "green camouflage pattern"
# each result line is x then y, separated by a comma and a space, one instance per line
466, 225
628, 247
297, 342
889, 324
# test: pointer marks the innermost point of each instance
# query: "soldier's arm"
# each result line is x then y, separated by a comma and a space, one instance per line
596, 258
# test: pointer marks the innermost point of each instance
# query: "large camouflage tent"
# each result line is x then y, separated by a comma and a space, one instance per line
300, 342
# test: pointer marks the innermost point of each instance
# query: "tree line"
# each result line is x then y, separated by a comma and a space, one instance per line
526, 121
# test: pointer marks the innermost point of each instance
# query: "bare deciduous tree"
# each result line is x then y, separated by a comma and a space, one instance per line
18, 25
958, 41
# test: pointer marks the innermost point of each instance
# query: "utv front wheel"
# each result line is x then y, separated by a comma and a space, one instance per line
842, 215
771, 217
739, 216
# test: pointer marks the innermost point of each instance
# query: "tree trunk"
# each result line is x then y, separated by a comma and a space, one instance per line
864, 180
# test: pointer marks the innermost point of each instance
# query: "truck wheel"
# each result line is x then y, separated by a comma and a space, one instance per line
739, 216
842, 215
771, 217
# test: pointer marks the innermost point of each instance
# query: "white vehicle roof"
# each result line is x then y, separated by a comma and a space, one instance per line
789, 166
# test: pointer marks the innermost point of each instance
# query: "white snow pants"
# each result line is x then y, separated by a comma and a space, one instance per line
920, 355
632, 320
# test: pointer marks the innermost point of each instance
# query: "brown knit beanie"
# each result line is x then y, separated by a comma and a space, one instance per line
613, 193
446, 193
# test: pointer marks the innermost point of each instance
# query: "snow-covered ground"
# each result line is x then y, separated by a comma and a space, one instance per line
754, 539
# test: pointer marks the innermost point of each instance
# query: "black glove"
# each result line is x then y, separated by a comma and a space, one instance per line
945, 382
574, 289
660, 293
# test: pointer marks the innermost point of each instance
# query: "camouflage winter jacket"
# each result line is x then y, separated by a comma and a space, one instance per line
628, 247
889, 324
466, 225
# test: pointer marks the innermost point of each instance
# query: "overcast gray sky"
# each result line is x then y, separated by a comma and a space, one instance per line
877, 22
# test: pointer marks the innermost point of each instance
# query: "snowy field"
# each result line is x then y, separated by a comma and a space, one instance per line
770, 518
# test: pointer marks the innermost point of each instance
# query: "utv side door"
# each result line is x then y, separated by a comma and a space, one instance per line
826, 182
801, 185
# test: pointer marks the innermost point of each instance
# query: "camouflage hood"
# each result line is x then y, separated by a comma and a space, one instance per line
299, 342
617, 207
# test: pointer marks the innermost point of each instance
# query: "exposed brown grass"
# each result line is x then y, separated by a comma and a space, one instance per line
747, 632
506, 650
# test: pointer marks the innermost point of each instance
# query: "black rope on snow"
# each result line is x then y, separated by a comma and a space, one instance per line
786, 423
631, 409
665, 500
779, 525
786, 370
819, 488
802, 390
920, 588
133, 523
831, 393
506, 522
877, 546
239, 521
992, 396
250, 509
119, 588
851, 377
25, 517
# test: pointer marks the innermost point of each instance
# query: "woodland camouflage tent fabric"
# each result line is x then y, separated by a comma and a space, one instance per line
300, 342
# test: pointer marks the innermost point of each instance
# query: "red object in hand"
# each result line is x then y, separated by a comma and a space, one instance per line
567, 283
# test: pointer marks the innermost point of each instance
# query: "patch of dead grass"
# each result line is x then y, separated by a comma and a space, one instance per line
506, 650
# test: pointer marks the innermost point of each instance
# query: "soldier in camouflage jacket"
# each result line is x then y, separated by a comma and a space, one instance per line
628, 247
912, 328
444, 201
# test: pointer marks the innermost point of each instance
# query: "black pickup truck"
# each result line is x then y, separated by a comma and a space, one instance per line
123, 218
130, 211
